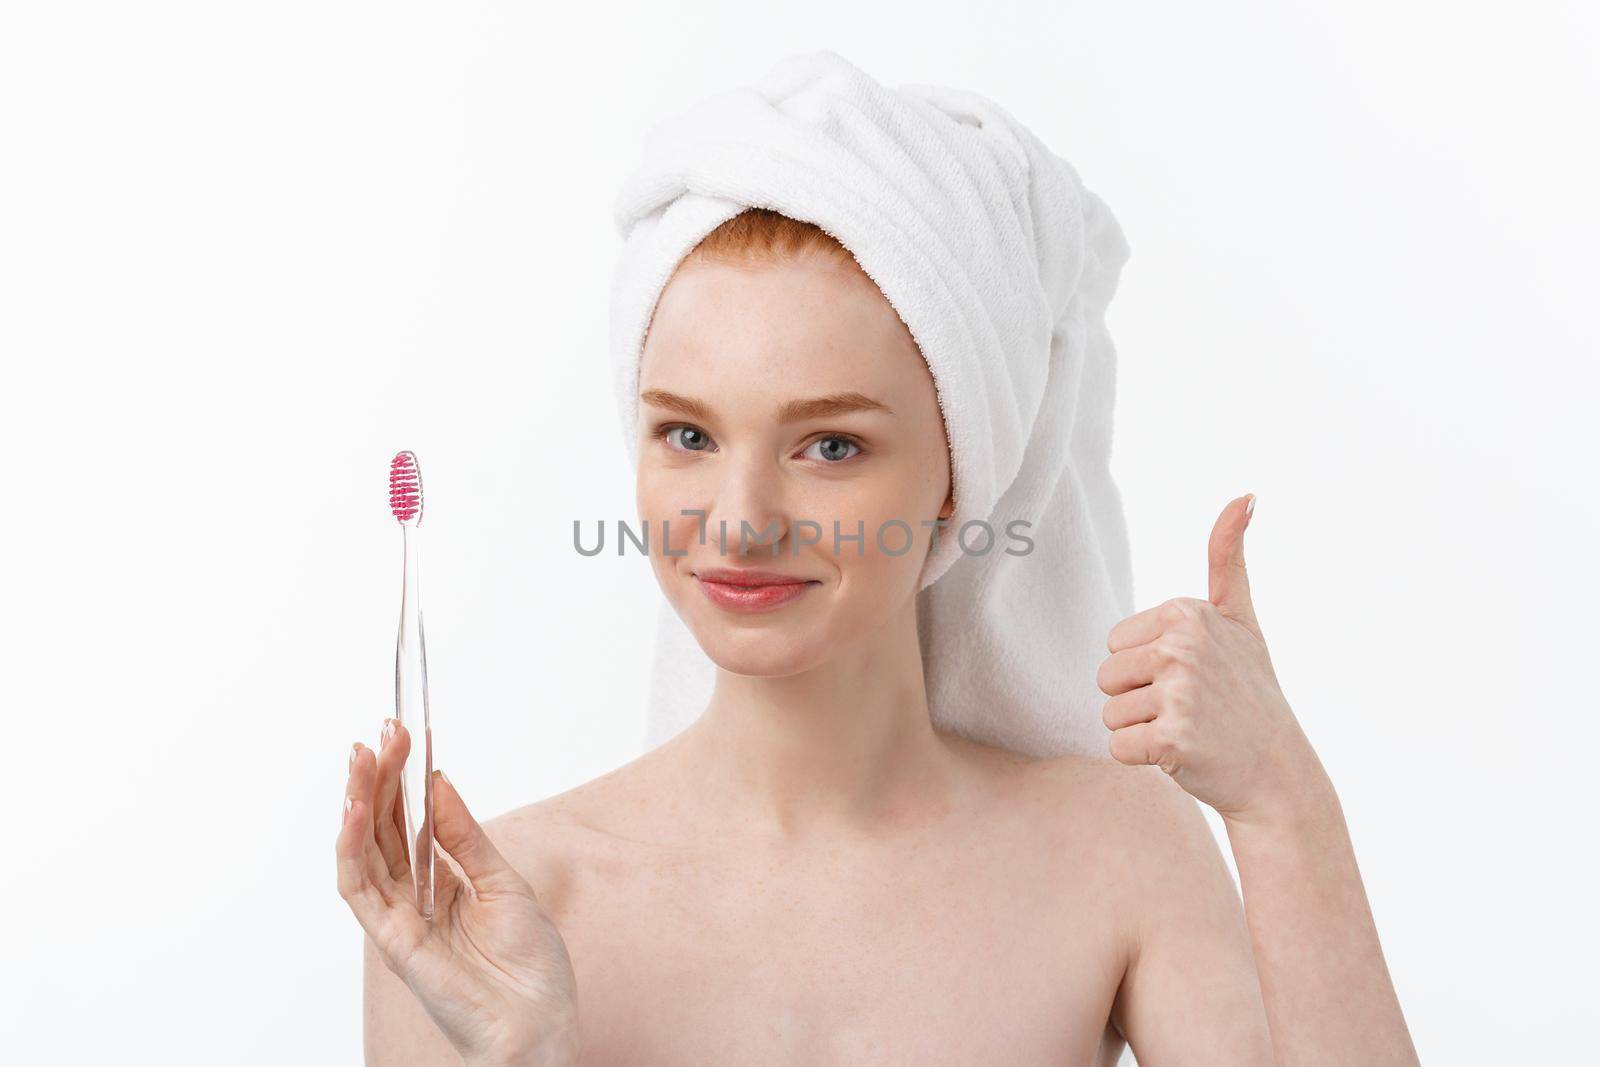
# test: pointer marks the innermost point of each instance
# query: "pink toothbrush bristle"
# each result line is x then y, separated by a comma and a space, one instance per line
405, 487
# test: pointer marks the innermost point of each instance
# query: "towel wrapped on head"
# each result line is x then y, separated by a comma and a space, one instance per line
1000, 263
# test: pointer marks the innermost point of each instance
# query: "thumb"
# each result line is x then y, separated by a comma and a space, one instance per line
1229, 583
461, 836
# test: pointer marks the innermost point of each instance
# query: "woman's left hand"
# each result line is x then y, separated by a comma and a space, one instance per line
1193, 691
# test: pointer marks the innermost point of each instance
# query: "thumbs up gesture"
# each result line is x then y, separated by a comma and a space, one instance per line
1193, 690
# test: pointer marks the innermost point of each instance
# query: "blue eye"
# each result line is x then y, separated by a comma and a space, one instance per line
833, 449
693, 440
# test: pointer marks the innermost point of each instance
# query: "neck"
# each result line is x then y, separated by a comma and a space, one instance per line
846, 745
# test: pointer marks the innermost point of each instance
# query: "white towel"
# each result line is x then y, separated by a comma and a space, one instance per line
1001, 264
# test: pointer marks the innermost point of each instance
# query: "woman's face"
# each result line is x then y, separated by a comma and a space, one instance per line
757, 391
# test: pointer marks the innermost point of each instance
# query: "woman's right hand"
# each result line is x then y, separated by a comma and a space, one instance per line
490, 967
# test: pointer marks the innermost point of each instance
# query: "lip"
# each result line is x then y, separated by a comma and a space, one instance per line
738, 590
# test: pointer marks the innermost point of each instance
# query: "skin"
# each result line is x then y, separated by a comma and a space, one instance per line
811, 873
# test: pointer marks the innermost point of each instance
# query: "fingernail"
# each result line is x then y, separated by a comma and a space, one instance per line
348, 804
388, 730
354, 750
1249, 507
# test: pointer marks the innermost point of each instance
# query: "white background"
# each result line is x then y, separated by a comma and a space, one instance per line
248, 251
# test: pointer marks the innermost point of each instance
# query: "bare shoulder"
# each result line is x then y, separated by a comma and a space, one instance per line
1116, 797
575, 808
1151, 841
584, 828
1136, 818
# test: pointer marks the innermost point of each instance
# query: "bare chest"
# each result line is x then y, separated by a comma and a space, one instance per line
928, 956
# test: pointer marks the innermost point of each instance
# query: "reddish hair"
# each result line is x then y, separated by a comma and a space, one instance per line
760, 235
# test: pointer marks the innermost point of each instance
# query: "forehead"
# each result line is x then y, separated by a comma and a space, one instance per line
805, 324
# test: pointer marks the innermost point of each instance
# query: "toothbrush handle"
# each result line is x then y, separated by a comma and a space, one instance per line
411, 708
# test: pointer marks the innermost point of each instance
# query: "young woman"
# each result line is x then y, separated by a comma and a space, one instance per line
811, 872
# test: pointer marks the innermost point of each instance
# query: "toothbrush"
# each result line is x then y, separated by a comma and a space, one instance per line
411, 683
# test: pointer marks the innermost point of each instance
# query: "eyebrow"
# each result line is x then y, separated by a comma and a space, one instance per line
821, 407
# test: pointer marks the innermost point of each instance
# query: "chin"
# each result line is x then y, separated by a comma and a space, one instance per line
766, 649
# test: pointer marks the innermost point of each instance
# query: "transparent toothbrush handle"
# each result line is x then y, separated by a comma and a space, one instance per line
411, 708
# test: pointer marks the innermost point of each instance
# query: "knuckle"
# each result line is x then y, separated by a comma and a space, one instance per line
1177, 732
1159, 651
1180, 656
1187, 612
350, 887
1167, 734
1175, 693
1175, 648
400, 953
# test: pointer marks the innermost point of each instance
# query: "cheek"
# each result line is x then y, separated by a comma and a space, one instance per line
889, 514
662, 492
659, 502
649, 493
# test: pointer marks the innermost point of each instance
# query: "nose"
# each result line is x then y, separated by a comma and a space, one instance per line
750, 491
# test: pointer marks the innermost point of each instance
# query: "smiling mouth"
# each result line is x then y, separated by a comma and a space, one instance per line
753, 580
753, 586
765, 593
